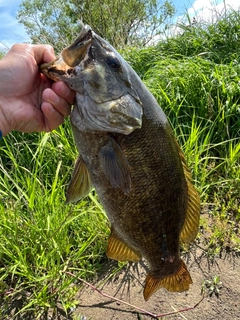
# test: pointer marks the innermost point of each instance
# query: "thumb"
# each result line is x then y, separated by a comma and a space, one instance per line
43, 53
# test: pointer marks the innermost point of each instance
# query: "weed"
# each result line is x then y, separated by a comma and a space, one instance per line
212, 286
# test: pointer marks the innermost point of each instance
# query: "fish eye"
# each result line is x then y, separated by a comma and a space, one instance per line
113, 62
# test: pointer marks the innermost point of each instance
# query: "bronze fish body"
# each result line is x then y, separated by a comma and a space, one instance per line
129, 154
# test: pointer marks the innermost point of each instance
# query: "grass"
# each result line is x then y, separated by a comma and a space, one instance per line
41, 237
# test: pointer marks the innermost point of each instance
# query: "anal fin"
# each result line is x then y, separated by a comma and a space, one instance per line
115, 166
117, 250
177, 282
80, 183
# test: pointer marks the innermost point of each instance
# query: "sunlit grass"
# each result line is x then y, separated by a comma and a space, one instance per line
40, 236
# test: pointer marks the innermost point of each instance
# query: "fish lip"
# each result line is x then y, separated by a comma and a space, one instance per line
77, 51
46, 66
72, 55
55, 69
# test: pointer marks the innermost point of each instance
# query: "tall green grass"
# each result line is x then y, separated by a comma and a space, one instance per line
41, 237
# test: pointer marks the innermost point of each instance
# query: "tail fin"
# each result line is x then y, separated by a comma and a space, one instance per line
177, 282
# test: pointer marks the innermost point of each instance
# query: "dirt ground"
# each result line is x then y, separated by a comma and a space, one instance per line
128, 286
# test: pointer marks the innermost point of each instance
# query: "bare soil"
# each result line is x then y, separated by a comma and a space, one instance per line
128, 286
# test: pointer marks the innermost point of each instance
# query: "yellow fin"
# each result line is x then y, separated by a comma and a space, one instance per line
80, 183
191, 224
117, 250
177, 282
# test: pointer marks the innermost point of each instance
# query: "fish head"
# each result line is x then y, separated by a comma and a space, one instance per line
106, 98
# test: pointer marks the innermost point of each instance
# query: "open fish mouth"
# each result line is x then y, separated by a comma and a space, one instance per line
70, 57
76, 52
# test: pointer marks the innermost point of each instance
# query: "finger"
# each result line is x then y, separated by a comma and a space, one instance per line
53, 118
45, 82
58, 103
43, 53
62, 89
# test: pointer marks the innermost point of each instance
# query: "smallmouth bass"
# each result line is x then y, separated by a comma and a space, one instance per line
129, 154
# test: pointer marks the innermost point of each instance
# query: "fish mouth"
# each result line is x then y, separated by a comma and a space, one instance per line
76, 52
70, 57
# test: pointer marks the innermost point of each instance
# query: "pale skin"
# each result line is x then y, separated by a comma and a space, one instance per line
28, 100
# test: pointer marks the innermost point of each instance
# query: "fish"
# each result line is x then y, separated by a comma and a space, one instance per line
129, 154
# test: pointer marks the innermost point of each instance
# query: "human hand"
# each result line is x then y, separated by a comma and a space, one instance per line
29, 101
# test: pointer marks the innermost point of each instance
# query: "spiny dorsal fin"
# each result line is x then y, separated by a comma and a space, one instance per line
115, 166
191, 224
80, 183
177, 282
117, 250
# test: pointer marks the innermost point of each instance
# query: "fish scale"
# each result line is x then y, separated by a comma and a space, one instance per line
129, 154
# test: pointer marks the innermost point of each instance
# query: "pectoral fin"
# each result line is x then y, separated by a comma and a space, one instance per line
80, 183
115, 166
177, 282
117, 250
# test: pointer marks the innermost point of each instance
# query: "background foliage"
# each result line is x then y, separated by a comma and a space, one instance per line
121, 22
195, 77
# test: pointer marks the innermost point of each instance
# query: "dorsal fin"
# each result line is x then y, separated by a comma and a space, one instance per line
191, 224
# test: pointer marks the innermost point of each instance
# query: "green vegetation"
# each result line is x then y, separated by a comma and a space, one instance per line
118, 21
212, 286
195, 77
40, 236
